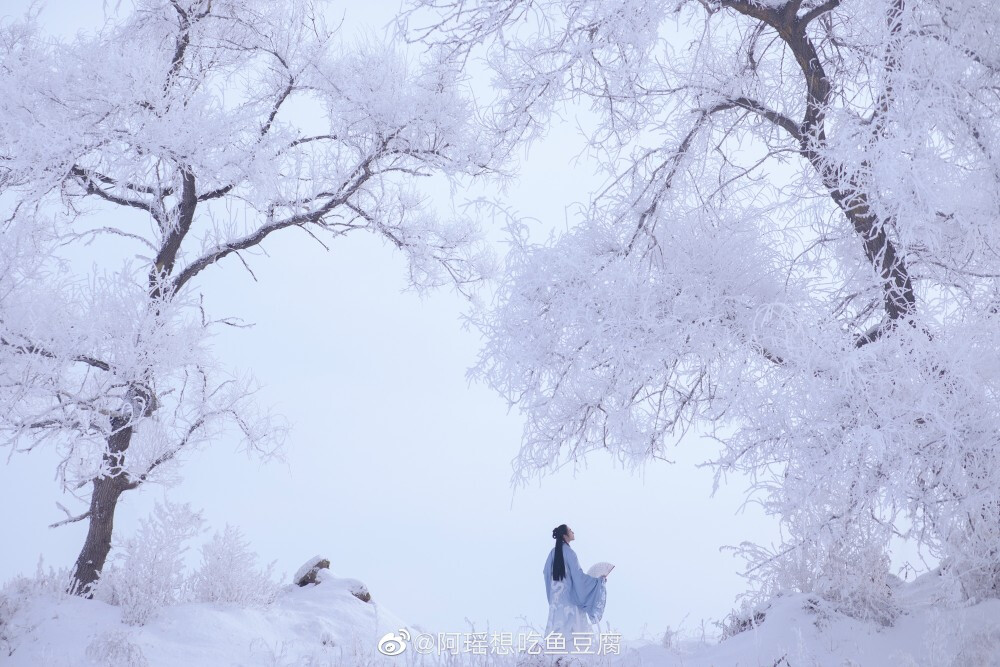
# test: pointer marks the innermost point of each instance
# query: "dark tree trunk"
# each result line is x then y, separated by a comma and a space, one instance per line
107, 490
846, 189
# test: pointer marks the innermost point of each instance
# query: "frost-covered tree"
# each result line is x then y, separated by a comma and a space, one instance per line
229, 572
797, 252
180, 136
147, 573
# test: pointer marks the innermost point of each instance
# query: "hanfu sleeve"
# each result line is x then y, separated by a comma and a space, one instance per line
589, 593
547, 573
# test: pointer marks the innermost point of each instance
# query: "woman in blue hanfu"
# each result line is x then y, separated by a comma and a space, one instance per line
576, 599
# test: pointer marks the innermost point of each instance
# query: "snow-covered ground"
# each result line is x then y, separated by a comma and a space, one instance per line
326, 625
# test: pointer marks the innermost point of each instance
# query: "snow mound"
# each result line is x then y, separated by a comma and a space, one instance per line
315, 625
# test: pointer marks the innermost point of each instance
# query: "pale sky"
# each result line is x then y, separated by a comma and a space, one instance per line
397, 469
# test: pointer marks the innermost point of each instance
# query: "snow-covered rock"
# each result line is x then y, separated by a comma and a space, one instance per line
307, 573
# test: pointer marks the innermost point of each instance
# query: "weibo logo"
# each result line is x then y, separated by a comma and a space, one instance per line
393, 644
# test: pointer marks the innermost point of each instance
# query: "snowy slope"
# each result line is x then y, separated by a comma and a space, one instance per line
326, 625
801, 630
323, 624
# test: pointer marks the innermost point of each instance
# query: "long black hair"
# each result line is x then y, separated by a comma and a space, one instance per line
558, 564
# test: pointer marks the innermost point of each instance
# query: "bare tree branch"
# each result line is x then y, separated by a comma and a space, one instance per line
35, 349
69, 517
89, 183
818, 10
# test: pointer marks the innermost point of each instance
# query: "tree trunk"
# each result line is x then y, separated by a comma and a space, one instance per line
104, 499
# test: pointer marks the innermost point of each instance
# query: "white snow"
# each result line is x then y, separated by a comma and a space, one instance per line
326, 625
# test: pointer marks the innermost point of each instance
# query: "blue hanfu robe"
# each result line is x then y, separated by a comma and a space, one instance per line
582, 590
